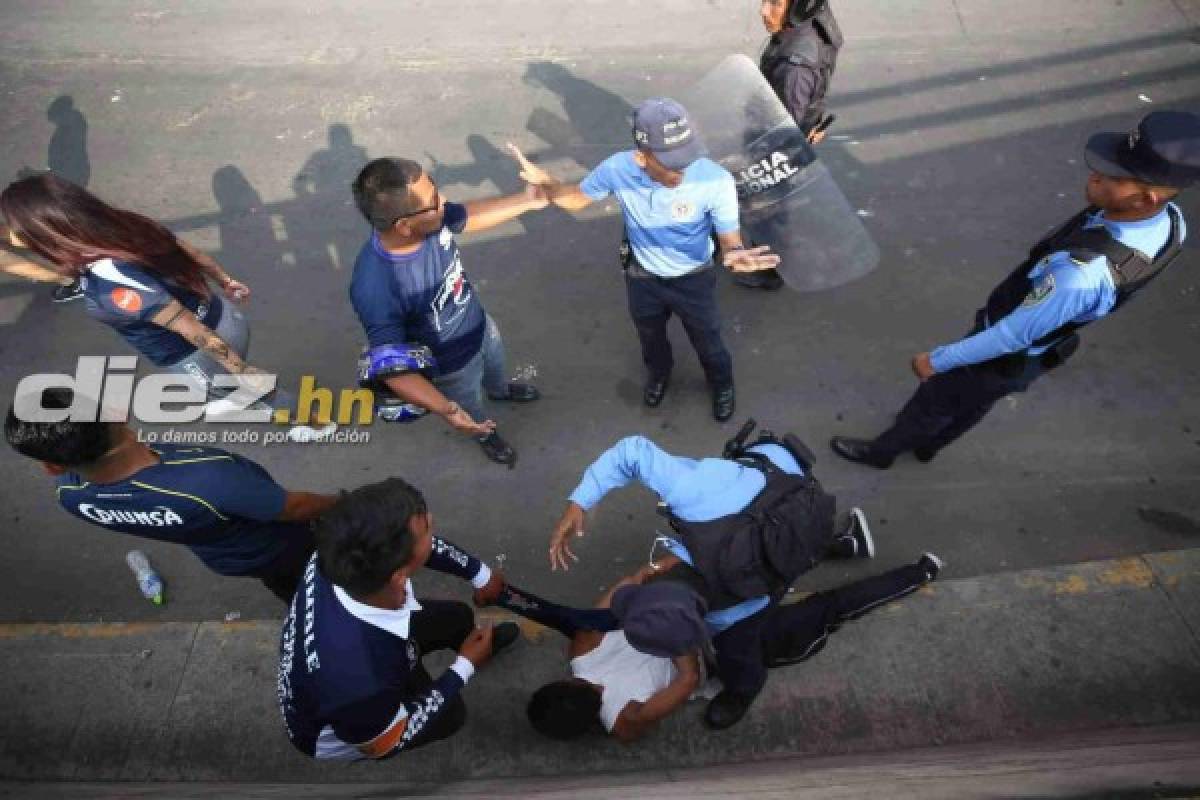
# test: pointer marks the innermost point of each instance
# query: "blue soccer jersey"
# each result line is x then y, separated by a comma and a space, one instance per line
422, 297
223, 507
348, 673
127, 296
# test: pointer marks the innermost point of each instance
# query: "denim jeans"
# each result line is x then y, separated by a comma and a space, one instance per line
485, 371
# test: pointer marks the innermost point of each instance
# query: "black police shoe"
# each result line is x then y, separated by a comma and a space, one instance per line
860, 451
497, 449
759, 279
726, 710
503, 636
518, 393
724, 403
65, 294
654, 391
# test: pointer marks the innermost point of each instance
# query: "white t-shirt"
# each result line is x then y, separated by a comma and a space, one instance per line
626, 674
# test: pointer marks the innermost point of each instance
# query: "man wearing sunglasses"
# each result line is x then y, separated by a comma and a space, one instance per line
410, 292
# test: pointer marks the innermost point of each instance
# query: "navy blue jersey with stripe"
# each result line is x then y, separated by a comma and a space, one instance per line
422, 297
344, 682
220, 505
127, 296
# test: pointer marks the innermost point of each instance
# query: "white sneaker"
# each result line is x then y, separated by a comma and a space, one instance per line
303, 434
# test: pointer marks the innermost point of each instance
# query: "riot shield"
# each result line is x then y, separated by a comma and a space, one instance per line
787, 197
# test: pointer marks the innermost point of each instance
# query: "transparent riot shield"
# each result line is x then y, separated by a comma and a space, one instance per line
787, 197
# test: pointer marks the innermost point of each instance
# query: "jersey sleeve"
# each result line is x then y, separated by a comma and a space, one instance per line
128, 292
381, 312
454, 217
1059, 296
386, 723
725, 204
238, 487
451, 559
599, 182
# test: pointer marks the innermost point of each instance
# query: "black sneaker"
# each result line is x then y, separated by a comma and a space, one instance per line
931, 564
503, 636
65, 294
497, 449
518, 392
855, 541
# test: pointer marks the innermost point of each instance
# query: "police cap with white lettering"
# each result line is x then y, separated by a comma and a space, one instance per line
1163, 150
661, 126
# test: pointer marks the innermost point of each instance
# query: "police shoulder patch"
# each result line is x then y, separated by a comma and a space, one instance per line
1041, 290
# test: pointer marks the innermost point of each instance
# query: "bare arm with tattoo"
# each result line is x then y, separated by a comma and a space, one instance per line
233, 288
176, 318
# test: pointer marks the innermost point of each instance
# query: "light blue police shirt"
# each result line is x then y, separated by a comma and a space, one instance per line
1064, 290
669, 229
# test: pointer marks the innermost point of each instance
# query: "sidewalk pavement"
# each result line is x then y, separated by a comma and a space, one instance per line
1001, 659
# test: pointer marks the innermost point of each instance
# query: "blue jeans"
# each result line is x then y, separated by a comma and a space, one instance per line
485, 371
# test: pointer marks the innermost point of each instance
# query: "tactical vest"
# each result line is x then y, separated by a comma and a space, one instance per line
1131, 271
785, 531
814, 45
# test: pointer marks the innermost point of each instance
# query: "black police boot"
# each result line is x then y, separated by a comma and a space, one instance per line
724, 403
861, 451
759, 279
726, 710
518, 392
654, 390
924, 454
497, 449
503, 636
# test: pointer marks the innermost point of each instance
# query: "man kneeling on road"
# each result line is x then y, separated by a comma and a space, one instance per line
351, 681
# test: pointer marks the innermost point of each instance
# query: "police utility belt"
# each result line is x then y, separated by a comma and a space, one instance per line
634, 269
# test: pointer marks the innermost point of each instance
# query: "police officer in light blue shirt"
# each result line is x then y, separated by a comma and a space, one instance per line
674, 201
704, 491
1085, 270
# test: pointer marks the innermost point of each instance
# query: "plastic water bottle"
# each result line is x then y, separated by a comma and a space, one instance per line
148, 580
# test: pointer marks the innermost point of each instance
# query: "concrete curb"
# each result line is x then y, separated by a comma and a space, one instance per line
1002, 658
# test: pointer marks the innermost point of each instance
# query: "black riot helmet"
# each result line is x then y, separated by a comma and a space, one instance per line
801, 11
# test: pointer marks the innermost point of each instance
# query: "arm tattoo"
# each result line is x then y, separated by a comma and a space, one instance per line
209, 342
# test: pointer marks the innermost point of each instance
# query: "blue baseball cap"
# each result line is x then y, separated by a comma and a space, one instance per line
661, 126
1163, 150
664, 618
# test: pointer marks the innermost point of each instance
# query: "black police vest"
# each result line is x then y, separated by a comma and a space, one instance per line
762, 549
815, 45
1131, 271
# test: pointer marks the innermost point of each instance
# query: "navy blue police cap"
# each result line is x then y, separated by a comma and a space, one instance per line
663, 618
1163, 150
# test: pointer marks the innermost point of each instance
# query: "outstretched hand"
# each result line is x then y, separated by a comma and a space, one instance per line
570, 525
922, 367
530, 173
751, 260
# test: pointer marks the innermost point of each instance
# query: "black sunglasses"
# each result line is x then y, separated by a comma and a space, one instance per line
437, 203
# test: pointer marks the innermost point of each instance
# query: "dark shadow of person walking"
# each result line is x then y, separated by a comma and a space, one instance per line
247, 240
323, 210
67, 154
597, 123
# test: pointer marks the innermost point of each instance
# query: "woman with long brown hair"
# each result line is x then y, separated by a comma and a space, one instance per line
151, 287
